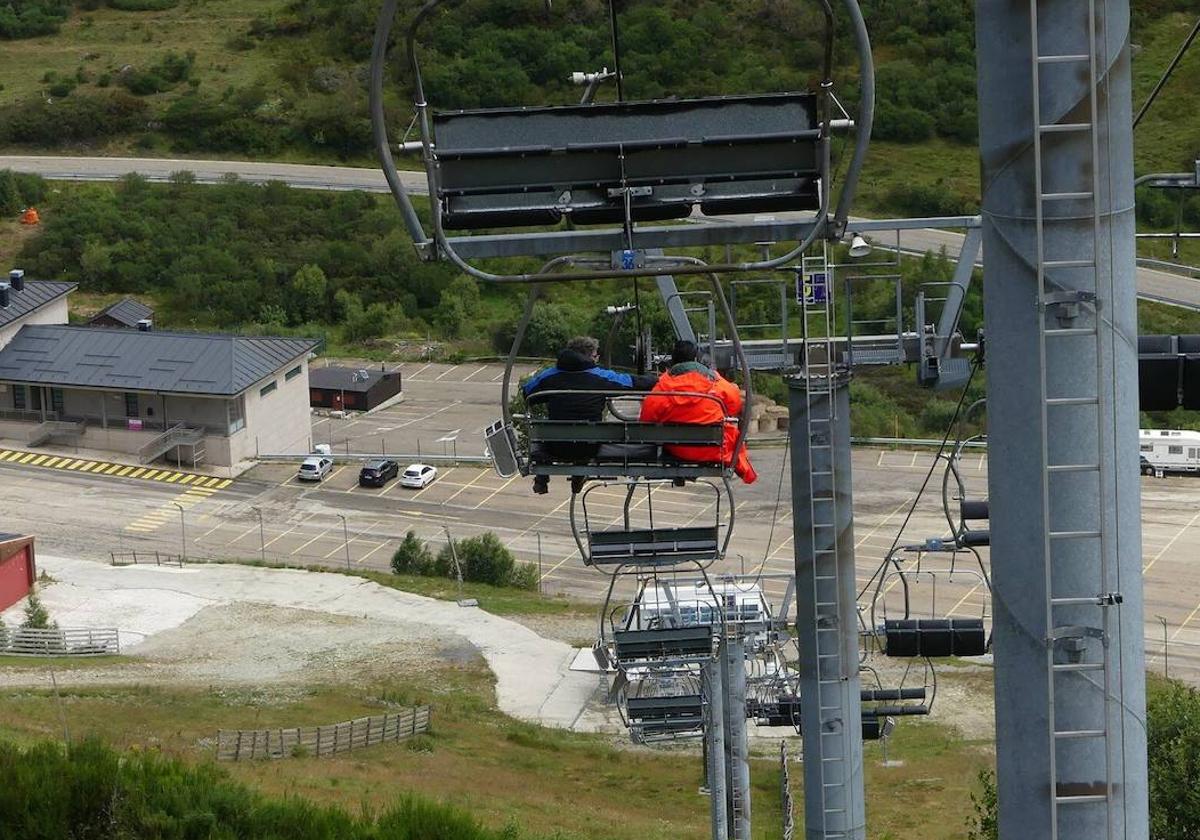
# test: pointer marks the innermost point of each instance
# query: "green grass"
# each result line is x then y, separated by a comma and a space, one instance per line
494, 599
584, 786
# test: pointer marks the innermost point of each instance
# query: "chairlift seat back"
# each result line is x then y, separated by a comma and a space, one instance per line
666, 713
649, 547
935, 637
657, 434
665, 643
516, 167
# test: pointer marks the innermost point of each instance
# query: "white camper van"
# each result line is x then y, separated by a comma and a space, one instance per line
1169, 450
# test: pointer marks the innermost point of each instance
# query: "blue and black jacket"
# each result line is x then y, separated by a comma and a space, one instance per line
578, 374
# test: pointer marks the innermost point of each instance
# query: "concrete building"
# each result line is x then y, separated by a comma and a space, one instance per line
193, 399
351, 389
18, 569
126, 313
30, 302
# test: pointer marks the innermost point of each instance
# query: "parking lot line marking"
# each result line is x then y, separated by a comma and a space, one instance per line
481, 474
1178, 534
417, 373
310, 542
245, 533
1185, 623
497, 490
372, 551
430, 414
481, 370
274, 539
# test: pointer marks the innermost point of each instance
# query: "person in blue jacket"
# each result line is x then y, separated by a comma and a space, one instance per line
577, 372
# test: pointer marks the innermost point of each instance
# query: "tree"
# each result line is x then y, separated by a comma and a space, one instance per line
413, 557
309, 288
37, 617
484, 559
10, 195
982, 824
1173, 744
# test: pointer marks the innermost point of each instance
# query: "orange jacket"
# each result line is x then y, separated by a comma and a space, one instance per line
695, 378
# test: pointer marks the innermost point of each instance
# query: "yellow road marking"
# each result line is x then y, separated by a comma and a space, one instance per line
99, 468
174, 477
124, 472
112, 469
137, 472
151, 474
225, 483
39, 459
54, 462
28, 457
188, 479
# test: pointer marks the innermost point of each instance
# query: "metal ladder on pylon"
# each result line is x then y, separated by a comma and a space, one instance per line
734, 734
820, 372
1086, 627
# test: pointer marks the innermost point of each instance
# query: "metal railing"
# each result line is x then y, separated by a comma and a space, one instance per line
180, 434
145, 558
785, 794
27, 415
58, 641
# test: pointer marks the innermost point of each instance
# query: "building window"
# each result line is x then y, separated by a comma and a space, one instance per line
35, 398
236, 412
56, 401
292, 374
1174, 450
1147, 447
19, 402
131, 405
268, 388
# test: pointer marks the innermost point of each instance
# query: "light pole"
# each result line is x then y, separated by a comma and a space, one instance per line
182, 531
262, 537
345, 539
1166, 672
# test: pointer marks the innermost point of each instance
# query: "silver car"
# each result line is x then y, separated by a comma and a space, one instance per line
314, 469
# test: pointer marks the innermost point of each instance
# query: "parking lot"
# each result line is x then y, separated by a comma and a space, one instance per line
444, 410
267, 513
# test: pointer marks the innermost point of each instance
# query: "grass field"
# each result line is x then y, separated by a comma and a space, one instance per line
584, 786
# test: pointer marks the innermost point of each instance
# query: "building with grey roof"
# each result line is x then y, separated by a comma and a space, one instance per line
191, 398
31, 302
127, 313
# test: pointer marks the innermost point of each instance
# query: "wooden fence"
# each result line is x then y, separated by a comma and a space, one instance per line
57, 641
242, 744
785, 793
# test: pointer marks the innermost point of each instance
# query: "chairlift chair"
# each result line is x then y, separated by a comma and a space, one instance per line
928, 632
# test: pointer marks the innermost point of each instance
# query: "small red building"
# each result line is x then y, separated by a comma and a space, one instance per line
18, 568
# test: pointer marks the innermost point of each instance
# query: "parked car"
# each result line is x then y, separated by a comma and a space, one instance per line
314, 469
418, 475
378, 472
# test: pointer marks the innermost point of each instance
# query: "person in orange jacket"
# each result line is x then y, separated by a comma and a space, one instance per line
687, 374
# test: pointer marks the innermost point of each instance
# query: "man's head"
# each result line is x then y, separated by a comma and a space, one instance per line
585, 346
684, 351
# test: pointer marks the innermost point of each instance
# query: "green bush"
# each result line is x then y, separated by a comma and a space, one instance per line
37, 122
1173, 743
143, 5
484, 559
37, 617
412, 557
31, 18
94, 792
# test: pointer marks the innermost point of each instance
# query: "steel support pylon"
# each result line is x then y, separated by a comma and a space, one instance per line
1061, 319
826, 616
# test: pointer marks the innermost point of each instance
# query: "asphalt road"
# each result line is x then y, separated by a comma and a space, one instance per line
1152, 285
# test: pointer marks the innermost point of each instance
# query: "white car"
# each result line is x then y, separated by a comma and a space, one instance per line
418, 475
314, 469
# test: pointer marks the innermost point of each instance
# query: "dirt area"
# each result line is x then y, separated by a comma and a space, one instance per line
240, 626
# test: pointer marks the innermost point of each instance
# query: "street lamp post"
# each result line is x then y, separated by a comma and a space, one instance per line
1166, 671
262, 536
345, 539
182, 531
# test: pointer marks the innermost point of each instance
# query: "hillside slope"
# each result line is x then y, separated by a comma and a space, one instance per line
284, 79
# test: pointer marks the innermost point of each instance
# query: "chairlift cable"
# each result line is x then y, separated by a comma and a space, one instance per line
1187, 42
929, 475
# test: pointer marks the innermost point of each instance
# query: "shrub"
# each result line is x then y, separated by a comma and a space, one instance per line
982, 824
413, 557
37, 617
1173, 743
30, 18
37, 122
483, 559
525, 576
